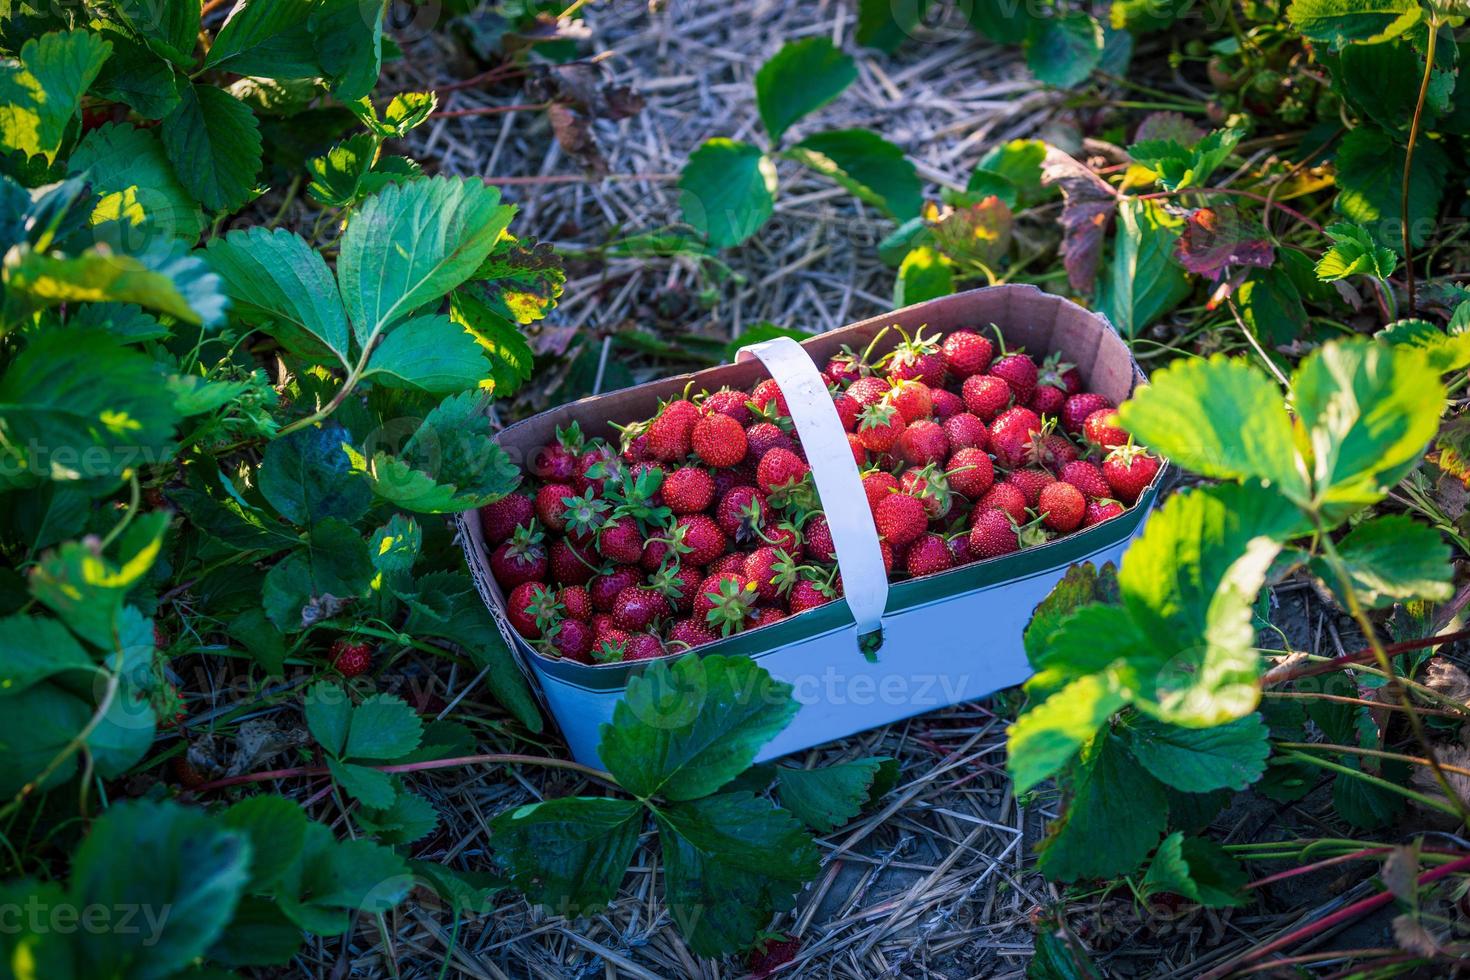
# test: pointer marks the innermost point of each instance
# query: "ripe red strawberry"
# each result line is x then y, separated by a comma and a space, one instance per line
1061, 506
916, 357
985, 396
549, 507
992, 534
351, 659
923, 442
966, 353
901, 518
637, 608
643, 646
819, 544
690, 632
576, 603
724, 601
530, 607
718, 439
913, 399
703, 536
879, 427
966, 431
768, 394
1129, 469
1006, 497
521, 559
927, 555
669, 433
741, 512
604, 588
728, 401
780, 469
946, 403
878, 484
762, 437
805, 595
773, 571
868, 391
1011, 433
689, 489
1100, 510
1030, 482
931, 486
594, 468
1078, 407
848, 410
1047, 400
1087, 478
970, 472
572, 564
1019, 371
1101, 429
621, 541
499, 519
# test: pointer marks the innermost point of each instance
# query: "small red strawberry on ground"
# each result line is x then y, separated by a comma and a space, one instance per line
780, 470
1129, 469
550, 509
879, 427
1011, 434
521, 559
966, 431
819, 545
767, 395
669, 434
931, 485
638, 607
741, 512
992, 533
718, 439
1101, 429
604, 588
1079, 407
762, 437
927, 555
970, 472
1005, 497
1087, 478
499, 520
923, 442
1101, 510
868, 391
689, 633
985, 396
727, 401
1061, 506
689, 489
877, 485
351, 659
901, 518
966, 353
703, 536
913, 399
946, 403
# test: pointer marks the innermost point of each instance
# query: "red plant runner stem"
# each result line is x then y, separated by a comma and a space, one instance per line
1345, 914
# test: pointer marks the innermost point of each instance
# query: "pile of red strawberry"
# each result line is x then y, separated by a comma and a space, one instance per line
704, 521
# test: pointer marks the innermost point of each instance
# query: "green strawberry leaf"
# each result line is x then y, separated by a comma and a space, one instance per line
727, 191
308, 476
800, 78
828, 797
1199, 760
568, 855
731, 862
41, 91
867, 165
1389, 558
684, 730
213, 142
1196, 869
1143, 282
1115, 815
429, 353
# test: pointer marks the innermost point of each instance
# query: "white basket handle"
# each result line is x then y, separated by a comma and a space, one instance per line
864, 582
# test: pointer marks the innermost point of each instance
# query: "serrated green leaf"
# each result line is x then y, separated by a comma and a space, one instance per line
1049, 735
683, 731
213, 142
924, 274
1115, 815
1143, 282
308, 476
410, 244
1389, 558
179, 858
1199, 760
280, 283
41, 91
1446, 350
1239, 427
1197, 869
129, 171
1064, 48
867, 165
1369, 411
430, 353
1340, 22
568, 855
265, 37
276, 827
1370, 173
727, 191
829, 796
730, 862
800, 78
